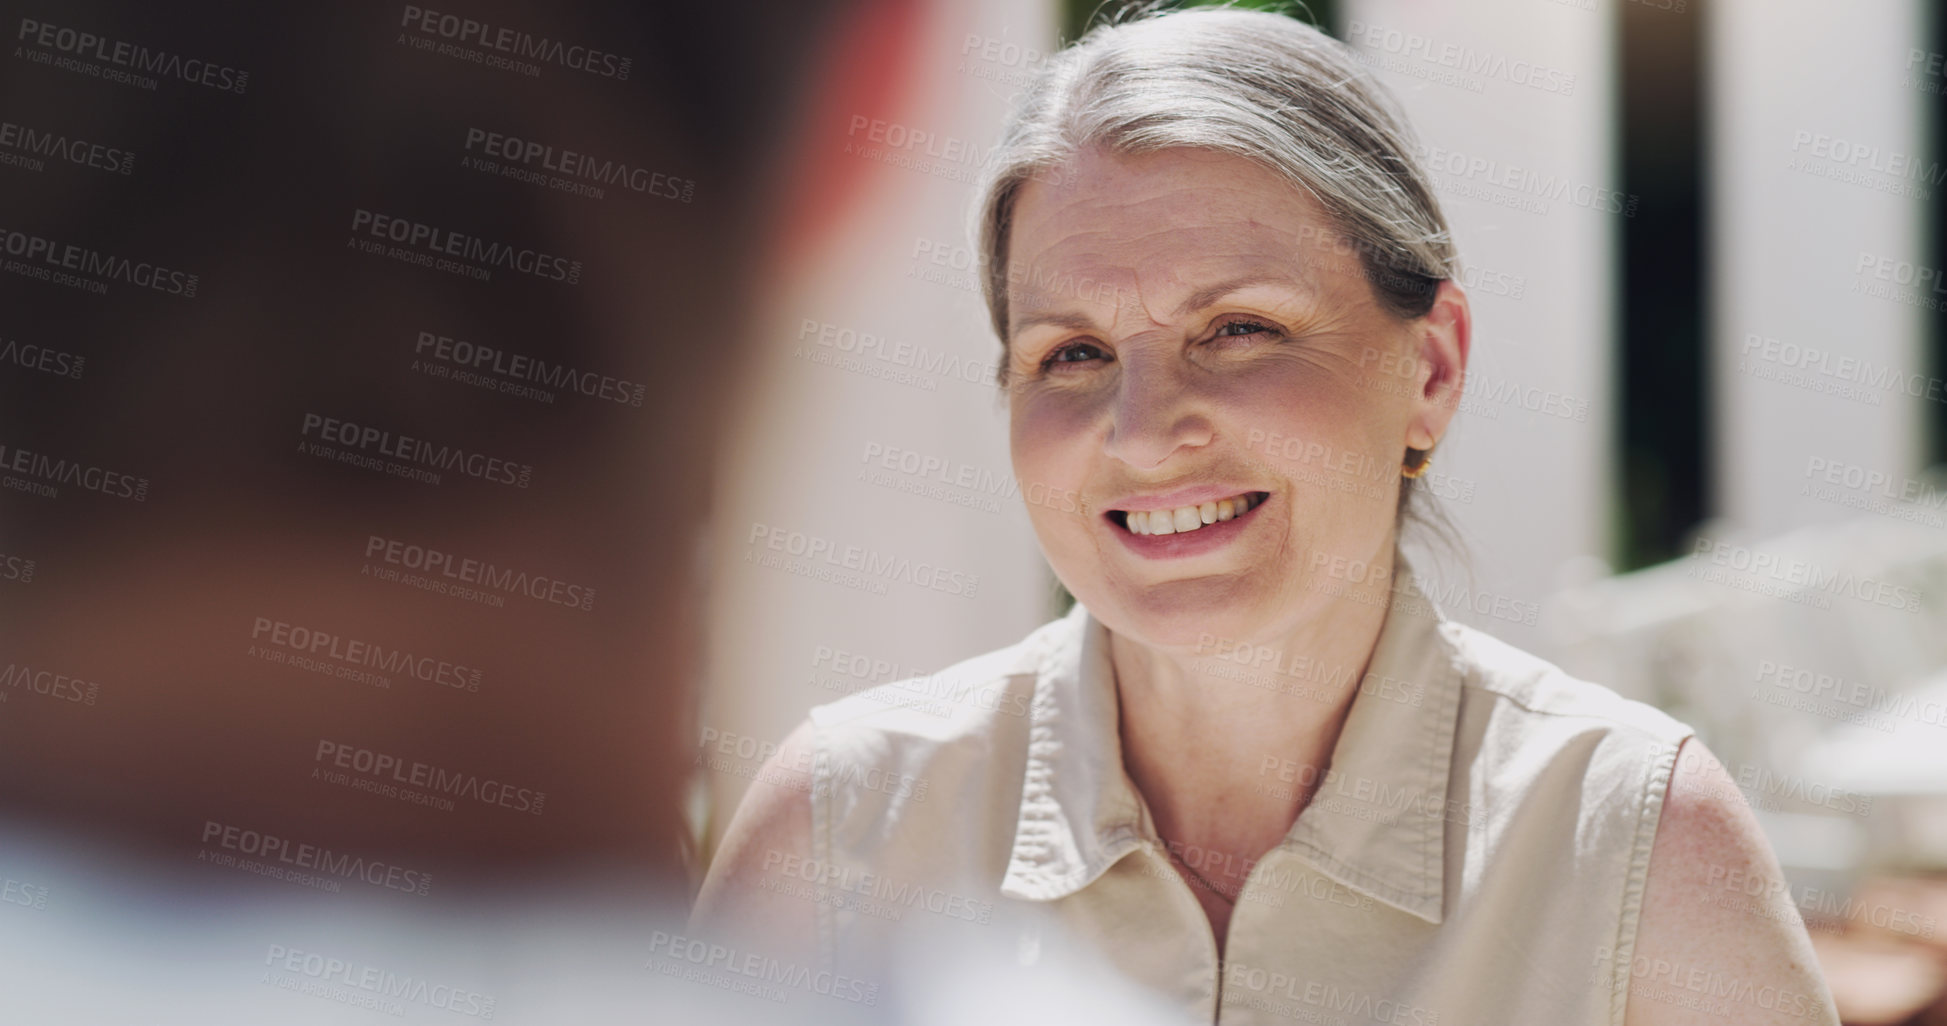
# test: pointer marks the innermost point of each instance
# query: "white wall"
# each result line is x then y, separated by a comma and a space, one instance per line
1514, 100
922, 397
1801, 92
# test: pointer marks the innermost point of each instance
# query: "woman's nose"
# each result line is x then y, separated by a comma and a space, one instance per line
1157, 410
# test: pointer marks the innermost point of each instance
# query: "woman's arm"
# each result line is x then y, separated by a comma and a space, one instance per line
770, 832
1704, 939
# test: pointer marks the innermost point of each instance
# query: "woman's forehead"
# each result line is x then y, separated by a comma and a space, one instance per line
1171, 208
1159, 236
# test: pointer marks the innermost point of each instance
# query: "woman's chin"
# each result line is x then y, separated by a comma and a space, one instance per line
1194, 623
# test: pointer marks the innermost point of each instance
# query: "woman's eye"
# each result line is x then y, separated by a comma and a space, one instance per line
1244, 329
1073, 352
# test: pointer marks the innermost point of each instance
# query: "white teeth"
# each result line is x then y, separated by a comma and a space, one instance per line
1188, 518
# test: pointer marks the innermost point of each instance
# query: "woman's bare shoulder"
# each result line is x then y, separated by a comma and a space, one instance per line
772, 824
1718, 923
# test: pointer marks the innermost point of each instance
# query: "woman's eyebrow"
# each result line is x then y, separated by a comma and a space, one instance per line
1198, 300
1071, 321
1206, 296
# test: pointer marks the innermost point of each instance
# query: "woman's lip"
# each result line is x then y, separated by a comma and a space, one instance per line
1207, 538
1195, 496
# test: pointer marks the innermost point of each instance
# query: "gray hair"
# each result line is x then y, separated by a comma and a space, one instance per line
1258, 85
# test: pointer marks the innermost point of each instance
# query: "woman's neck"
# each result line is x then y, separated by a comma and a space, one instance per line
1226, 754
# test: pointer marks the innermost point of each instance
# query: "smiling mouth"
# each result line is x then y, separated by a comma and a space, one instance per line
1185, 519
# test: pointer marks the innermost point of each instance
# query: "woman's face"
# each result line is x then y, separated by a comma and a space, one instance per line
1186, 329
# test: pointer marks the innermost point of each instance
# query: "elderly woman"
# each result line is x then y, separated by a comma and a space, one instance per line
1254, 768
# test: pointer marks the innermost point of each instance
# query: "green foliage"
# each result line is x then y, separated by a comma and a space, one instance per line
1078, 15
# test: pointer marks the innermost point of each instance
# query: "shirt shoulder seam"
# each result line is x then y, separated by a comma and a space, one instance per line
1649, 816
827, 715
1469, 682
821, 840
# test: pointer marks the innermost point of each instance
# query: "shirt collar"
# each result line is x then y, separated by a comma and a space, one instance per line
1377, 825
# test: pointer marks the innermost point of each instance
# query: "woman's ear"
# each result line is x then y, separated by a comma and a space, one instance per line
1444, 334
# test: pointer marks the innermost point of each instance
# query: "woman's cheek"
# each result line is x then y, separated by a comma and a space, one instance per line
1048, 430
1050, 468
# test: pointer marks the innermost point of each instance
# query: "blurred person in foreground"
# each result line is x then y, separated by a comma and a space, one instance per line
314, 782
1254, 768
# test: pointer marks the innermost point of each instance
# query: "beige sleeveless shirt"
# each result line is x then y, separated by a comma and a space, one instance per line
1476, 852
